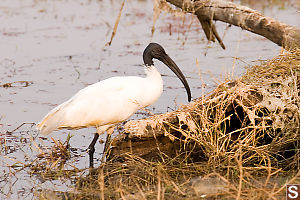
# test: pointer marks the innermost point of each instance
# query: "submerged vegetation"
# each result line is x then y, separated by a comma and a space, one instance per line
239, 142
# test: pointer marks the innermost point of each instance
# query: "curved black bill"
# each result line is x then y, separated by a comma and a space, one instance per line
172, 65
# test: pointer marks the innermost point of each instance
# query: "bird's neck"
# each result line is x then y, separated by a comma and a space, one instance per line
153, 74
153, 86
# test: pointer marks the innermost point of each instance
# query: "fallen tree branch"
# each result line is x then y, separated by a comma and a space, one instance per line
208, 10
260, 111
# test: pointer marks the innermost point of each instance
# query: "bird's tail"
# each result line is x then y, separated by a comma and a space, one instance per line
51, 121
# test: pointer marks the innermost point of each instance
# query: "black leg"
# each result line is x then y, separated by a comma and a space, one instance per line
109, 132
107, 144
91, 149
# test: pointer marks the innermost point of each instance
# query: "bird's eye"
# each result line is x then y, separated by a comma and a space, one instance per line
154, 53
157, 52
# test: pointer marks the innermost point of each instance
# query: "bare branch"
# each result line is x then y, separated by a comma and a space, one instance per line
282, 34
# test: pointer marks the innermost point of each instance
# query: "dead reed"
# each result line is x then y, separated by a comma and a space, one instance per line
244, 136
239, 142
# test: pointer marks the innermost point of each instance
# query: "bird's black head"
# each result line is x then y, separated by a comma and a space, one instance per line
154, 50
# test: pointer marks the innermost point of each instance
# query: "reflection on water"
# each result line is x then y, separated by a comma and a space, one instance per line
59, 47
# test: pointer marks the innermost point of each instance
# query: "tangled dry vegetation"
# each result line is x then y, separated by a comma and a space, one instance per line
239, 142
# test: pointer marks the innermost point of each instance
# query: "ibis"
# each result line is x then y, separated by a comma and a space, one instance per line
109, 102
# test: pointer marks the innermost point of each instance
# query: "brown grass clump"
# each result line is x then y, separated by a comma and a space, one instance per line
245, 135
50, 163
239, 142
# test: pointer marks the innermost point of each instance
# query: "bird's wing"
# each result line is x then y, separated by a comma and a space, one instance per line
106, 102
52, 120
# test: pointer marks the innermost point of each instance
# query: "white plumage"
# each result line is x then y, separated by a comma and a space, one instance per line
113, 100
105, 103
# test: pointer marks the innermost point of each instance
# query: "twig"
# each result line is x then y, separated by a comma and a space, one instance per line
7, 85
101, 181
116, 24
24, 123
158, 183
240, 165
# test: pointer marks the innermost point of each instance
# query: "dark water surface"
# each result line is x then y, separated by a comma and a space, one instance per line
58, 47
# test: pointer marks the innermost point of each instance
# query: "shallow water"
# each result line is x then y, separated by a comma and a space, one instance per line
58, 47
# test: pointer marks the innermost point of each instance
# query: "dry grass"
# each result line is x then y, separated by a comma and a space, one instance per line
51, 163
245, 132
240, 142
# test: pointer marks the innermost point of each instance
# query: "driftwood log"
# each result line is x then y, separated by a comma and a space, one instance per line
260, 111
248, 19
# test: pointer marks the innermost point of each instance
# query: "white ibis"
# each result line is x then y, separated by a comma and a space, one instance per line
111, 101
